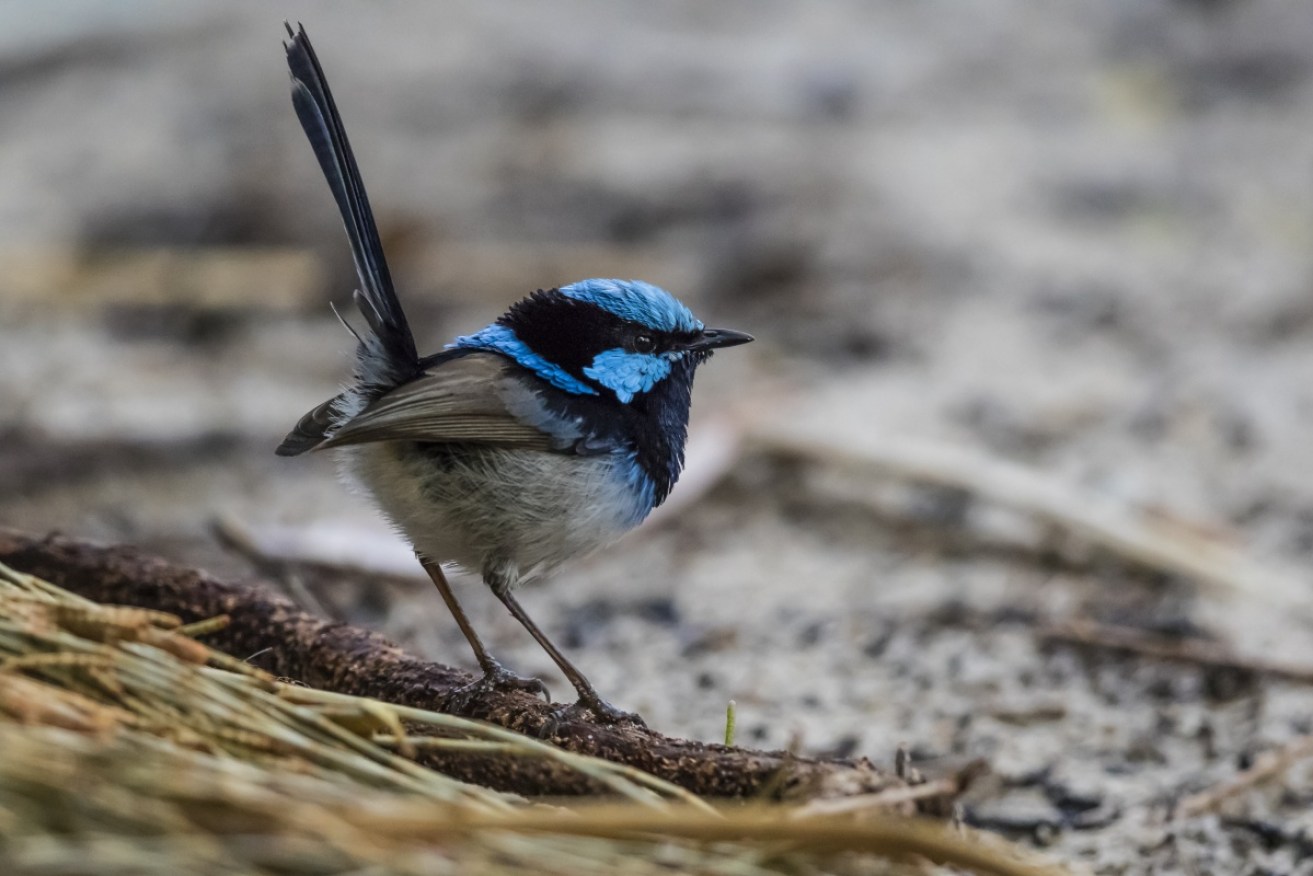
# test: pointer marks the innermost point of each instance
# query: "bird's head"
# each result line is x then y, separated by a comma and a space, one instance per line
608, 338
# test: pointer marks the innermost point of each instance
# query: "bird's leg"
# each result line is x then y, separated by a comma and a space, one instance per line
588, 697
495, 676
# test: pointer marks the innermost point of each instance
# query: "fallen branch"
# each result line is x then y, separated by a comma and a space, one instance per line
1200, 653
345, 659
1267, 766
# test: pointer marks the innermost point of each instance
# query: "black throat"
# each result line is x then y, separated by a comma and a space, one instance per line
661, 425
654, 425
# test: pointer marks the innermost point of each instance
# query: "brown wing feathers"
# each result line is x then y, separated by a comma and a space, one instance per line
455, 401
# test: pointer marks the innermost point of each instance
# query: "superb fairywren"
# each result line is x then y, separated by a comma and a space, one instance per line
544, 436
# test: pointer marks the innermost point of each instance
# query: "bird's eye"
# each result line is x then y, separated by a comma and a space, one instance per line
644, 343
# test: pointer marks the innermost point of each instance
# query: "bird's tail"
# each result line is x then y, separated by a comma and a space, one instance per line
386, 353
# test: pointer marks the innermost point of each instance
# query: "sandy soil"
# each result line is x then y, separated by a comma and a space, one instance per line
1074, 237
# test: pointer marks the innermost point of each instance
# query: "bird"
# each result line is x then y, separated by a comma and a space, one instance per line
542, 437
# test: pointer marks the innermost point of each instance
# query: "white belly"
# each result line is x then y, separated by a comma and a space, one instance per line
510, 515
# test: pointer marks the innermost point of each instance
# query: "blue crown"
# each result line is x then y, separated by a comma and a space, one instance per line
637, 302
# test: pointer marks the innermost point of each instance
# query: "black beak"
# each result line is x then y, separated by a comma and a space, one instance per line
714, 339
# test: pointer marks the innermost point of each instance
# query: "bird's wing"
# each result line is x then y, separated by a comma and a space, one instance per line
310, 430
474, 399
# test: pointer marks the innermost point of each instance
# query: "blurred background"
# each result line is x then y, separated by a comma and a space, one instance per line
1073, 239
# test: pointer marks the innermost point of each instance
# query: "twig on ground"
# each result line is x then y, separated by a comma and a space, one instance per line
1267, 766
1139, 536
891, 799
1201, 653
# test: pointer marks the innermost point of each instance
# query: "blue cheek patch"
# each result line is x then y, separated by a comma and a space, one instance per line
500, 339
627, 374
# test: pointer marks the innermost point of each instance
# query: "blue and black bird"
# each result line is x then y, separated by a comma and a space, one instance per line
544, 436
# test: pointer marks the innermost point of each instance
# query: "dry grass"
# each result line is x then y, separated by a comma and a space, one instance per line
131, 747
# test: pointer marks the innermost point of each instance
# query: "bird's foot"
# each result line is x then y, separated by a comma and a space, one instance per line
598, 709
495, 678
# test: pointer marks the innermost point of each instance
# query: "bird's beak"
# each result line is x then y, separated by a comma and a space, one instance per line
714, 339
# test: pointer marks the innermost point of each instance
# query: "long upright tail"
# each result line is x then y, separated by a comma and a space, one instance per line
387, 354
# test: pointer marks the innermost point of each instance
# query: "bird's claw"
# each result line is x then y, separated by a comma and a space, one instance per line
599, 710
495, 678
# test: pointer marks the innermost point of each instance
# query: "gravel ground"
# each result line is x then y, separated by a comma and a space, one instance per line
1075, 237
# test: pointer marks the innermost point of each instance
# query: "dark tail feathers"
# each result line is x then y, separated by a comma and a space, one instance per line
388, 357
